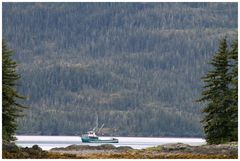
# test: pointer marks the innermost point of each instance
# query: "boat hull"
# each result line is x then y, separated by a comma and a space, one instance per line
90, 140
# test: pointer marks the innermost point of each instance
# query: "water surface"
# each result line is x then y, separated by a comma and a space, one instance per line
48, 142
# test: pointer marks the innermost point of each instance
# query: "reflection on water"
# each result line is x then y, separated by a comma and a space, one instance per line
48, 142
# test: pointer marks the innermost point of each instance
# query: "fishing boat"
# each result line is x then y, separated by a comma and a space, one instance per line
91, 137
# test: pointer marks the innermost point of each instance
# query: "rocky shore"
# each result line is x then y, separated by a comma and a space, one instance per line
86, 149
167, 151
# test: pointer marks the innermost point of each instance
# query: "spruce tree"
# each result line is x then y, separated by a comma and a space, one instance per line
216, 95
10, 107
233, 96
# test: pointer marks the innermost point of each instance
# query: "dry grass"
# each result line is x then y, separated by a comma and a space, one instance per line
155, 156
174, 151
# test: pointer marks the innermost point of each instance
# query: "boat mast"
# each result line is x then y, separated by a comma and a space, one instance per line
100, 128
95, 128
97, 120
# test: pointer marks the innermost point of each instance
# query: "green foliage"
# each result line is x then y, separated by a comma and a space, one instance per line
233, 96
137, 65
10, 106
220, 120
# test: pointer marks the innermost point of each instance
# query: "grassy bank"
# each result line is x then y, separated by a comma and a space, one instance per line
168, 151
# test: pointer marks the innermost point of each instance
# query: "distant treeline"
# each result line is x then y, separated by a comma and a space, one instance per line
137, 65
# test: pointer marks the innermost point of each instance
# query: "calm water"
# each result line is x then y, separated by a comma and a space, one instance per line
48, 142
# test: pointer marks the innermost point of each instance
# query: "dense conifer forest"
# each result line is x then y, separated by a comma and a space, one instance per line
137, 66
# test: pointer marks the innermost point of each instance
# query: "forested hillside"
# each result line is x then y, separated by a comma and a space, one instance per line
136, 65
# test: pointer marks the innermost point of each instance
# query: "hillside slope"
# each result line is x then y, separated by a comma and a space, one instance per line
135, 65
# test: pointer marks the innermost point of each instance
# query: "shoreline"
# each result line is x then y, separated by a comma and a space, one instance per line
108, 151
178, 150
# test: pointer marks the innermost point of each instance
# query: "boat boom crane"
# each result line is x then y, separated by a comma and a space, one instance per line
100, 128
